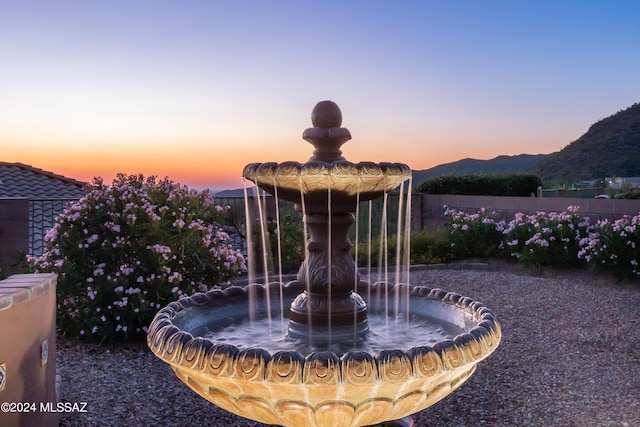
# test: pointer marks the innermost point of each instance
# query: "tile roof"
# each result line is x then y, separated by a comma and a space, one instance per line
20, 180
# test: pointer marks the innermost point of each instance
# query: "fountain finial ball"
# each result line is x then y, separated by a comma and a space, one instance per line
326, 114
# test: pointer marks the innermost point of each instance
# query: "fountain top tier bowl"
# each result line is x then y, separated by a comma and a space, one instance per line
327, 171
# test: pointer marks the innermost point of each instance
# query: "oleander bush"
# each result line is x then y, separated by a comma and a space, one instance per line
474, 235
127, 249
563, 239
547, 238
614, 246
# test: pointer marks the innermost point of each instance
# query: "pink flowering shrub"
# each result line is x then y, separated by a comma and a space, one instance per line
478, 234
547, 238
126, 250
562, 239
614, 245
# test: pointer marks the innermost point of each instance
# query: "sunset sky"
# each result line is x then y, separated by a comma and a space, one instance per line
194, 90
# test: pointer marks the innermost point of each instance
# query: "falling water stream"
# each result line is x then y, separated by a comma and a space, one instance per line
391, 325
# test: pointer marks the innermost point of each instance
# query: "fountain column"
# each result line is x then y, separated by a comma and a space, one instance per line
329, 274
328, 271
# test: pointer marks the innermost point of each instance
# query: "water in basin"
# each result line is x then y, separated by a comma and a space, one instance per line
384, 333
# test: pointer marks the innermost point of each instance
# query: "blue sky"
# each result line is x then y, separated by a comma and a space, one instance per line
196, 89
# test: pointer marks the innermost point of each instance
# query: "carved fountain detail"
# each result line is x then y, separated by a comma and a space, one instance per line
323, 388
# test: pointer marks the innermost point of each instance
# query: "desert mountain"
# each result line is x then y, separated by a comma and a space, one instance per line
500, 164
611, 147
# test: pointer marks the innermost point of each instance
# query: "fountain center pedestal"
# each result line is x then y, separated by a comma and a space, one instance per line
327, 188
329, 308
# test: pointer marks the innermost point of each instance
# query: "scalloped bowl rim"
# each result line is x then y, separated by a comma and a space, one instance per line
486, 334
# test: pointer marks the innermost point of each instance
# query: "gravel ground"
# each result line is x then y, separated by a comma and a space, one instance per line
570, 356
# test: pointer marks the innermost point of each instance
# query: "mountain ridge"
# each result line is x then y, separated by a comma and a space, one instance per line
610, 147
500, 164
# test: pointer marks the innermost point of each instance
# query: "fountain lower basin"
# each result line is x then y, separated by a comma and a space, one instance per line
322, 388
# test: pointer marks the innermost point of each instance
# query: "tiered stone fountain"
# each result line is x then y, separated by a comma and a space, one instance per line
324, 387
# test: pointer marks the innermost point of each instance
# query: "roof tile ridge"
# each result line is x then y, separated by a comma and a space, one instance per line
46, 173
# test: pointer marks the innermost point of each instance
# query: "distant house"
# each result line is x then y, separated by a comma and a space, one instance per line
30, 200
586, 183
618, 182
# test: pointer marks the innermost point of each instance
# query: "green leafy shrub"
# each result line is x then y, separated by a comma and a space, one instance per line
631, 193
614, 246
426, 247
290, 247
16, 264
125, 250
508, 184
431, 247
547, 238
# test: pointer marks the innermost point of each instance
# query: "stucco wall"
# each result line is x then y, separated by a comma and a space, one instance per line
28, 349
429, 207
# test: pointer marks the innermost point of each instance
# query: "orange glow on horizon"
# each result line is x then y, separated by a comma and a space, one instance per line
215, 158
218, 165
